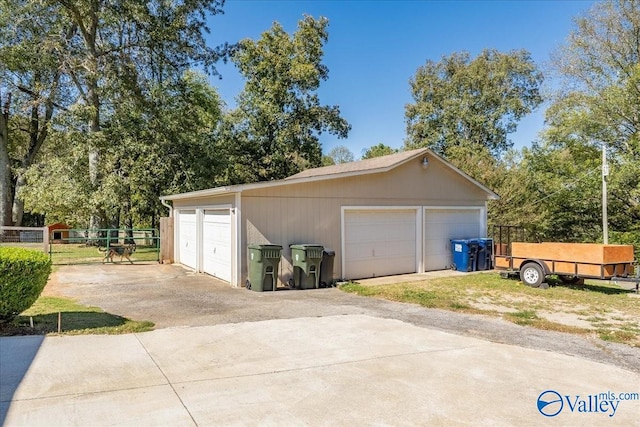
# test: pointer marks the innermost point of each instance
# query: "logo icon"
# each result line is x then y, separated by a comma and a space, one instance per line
550, 403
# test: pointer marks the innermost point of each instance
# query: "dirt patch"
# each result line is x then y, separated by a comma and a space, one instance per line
561, 317
564, 318
486, 306
578, 316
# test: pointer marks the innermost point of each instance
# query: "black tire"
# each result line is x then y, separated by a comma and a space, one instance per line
532, 275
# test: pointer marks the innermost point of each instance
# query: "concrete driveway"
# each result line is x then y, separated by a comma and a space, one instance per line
317, 357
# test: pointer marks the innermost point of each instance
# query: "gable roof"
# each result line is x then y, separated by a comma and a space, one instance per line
342, 170
376, 164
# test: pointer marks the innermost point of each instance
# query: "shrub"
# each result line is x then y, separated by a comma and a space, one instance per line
23, 275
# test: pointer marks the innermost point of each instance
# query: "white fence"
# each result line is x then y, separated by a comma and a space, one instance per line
26, 237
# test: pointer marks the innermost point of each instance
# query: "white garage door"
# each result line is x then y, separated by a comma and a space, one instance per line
216, 243
379, 243
187, 242
442, 225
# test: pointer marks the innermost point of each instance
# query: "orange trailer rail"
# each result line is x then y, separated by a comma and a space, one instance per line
571, 262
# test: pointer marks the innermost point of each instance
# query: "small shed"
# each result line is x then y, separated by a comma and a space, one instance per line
58, 232
383, 216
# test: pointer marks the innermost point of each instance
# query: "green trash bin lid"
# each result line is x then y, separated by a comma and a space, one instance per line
266, 251
307, 246
267, 246
309, 251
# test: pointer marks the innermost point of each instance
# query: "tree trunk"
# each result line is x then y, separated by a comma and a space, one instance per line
94, 153
18, 204
6, 193
38, 131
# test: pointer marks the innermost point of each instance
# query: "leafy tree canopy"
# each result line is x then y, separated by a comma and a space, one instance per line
600, 68
117, 75
479, 101
599, 102
275, 130
378, 150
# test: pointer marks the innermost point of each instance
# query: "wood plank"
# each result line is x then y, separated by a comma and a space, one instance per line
590, 253
501, 262
166, 240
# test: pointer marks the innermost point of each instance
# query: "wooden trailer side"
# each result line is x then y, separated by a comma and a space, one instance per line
575, 259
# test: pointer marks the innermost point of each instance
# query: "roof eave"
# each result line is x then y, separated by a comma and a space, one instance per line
492, 195
203, 193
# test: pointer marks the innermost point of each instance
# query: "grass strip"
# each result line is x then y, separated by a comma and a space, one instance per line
607, 310
75, 319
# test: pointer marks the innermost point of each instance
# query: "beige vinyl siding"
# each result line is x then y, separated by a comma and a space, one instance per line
409, 183
311, 212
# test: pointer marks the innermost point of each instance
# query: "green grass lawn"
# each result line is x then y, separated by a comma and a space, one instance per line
76, 319
598, 308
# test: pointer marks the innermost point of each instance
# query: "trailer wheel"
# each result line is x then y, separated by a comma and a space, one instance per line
532, 275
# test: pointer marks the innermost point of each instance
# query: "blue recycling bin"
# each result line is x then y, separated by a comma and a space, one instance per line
464, 253
485, 254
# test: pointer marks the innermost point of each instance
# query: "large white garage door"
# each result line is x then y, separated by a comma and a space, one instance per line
187, 242
216, 243
442, 225
379, 243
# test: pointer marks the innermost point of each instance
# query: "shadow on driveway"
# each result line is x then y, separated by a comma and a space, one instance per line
172, 296
16, 356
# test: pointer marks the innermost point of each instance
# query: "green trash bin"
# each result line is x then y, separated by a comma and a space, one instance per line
263, 267
306, 260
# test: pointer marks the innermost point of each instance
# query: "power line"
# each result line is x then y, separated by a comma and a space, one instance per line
577, 180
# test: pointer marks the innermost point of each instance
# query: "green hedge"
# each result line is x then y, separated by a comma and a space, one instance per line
23, 275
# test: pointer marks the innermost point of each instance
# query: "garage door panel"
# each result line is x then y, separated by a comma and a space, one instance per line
187, 239
443, 225
216, 243
399, 249
379, 243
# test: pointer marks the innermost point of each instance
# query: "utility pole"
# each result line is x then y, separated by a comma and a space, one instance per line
605, 173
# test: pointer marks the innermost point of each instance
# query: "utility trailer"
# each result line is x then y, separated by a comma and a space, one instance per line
571, 262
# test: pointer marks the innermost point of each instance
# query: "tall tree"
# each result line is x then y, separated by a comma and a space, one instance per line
341, 154
5, 169
274, 132
600, 68
159, 146
479, 101
120, 47
599, 103
30, 68
96, 61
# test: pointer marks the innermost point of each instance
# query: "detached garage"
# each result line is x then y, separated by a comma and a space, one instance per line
383, 216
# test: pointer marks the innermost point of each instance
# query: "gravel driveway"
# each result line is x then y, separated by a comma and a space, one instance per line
171, 296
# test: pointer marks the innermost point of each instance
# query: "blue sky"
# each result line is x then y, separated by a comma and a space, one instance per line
375, 47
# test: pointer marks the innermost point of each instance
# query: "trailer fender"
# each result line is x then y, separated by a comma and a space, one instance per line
541, 263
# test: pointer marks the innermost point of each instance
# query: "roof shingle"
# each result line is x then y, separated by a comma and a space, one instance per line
368, 165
